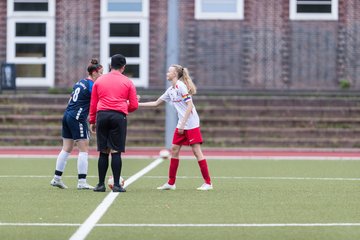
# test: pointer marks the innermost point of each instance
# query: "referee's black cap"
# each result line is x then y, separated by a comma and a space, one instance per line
118, 61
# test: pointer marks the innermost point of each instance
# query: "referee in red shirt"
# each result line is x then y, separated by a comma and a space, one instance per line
113, 97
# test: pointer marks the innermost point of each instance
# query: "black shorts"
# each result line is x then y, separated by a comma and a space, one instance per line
111, 130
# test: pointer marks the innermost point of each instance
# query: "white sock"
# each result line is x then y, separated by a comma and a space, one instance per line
61, 162
82, 180
82, 163
57, 178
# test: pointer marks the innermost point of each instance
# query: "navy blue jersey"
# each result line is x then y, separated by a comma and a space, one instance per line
79, 103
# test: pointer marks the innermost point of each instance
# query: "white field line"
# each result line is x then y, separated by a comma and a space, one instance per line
95, 216
270, 178
38, 156
189, 225
197, 177
250, 157
235, 225
41, 224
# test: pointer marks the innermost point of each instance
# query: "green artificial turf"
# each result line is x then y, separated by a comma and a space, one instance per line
245, 192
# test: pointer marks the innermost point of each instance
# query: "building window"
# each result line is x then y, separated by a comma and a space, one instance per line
31, 41
30, 29
30, 50
31, 6
314, 10
124, 5
124, 30
219, 9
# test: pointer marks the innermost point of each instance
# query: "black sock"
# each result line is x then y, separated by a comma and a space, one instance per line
81, 176
103, 165
116, 165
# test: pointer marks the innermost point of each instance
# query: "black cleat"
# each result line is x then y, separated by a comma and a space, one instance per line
118, 189
99, 188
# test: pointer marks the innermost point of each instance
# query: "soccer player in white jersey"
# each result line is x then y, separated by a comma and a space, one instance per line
187, 131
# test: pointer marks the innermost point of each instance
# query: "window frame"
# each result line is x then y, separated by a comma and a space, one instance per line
49, 40
239, 15
141, 18
334, 15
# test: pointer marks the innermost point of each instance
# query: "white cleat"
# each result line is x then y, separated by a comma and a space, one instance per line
58, 183
167, 186
205, 187
84, 186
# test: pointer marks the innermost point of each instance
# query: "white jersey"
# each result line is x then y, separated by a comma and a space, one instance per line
179, 96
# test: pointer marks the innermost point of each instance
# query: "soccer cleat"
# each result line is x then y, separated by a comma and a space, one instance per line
58, 183
99, 188
205, 187
84, 185
118, 189
167, 186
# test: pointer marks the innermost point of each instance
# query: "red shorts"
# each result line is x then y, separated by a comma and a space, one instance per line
189, 137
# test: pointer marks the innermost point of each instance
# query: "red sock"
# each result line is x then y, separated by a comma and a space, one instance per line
174, 163
204, 171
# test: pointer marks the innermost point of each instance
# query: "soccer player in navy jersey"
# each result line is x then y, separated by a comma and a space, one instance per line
75, 128
187, 132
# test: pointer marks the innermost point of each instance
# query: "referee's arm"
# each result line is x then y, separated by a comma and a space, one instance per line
133, 100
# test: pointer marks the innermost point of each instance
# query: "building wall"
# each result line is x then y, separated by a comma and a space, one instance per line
3, 5
157, 43
313, 56
265, 44
265, 51
77, 39
233, 54
212, 50
348, 62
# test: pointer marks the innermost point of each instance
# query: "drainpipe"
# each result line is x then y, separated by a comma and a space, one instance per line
172, 57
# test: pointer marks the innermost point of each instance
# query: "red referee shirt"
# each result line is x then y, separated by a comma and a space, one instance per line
113, 91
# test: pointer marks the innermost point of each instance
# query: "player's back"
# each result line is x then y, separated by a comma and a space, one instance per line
113, 92
79, 103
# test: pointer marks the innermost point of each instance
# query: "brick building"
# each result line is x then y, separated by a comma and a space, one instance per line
226, 44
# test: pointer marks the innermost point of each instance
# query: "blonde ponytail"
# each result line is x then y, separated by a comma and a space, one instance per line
183, 75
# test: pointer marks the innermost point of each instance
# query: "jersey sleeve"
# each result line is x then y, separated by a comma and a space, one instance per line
133, 102
184, 92
166, 96
93, 105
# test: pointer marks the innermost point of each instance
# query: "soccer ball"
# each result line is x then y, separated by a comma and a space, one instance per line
111, 182
164, 154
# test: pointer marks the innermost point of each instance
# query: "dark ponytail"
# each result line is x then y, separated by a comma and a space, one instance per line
94, 66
